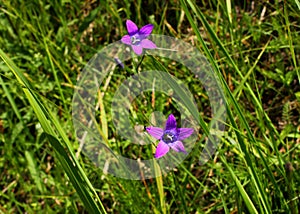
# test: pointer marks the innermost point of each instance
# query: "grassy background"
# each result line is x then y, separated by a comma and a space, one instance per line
254, 47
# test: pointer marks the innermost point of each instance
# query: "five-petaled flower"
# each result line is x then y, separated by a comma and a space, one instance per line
136, 38
171, 136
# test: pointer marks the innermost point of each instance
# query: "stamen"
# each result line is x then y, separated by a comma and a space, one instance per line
168, 137
134, 40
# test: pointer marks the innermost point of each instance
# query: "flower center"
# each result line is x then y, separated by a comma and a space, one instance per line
169, 137
135, 40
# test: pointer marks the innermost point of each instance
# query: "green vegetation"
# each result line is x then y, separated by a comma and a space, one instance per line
253, 47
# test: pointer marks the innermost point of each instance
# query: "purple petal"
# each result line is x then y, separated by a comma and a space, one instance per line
178, 147
146, 30
184, 133
137, 49
161, 150
119, 62
131, 27
171, 122
155, 132
126, 40
146, 43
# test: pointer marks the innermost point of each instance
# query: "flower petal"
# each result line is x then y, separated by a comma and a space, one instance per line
126, 40
119, 63
131, 27
184, 133
137, 49
146, 43
178, 147
171, 122
155, 132
161, 150
146, 30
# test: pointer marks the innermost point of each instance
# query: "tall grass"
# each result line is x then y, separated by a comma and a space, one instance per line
254, 51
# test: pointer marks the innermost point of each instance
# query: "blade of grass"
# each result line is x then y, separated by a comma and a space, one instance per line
242, 191
180, 193
224, 50
71, 166
34, 172
287, 22
185, 98
298, 4
256, 180
15, 108
160, 187
257, 102
55, 74
159, 179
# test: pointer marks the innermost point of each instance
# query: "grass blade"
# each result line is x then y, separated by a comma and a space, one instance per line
71, 166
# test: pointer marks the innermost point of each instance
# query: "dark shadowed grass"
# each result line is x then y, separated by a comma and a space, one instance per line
254, 50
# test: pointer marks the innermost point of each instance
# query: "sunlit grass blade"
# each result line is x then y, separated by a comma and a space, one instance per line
159, 179
215, 38
255, 177
55, 74
71, 166
241, 189
160, 187
185, 98
102, 115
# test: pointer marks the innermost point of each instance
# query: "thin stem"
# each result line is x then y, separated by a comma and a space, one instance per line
137, 67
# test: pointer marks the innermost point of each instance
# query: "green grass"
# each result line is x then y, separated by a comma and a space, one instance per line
254, 49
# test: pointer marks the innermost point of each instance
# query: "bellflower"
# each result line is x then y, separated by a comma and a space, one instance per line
169, 137
136, 38
119, 63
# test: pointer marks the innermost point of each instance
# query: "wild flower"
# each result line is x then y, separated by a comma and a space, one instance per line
136, 38
169, 137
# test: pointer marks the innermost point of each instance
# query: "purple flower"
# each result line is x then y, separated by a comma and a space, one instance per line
136, 38
119, 63
171, 136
